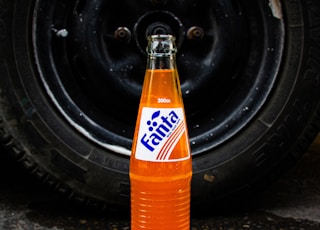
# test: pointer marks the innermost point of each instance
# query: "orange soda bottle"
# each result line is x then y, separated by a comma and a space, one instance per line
160, 163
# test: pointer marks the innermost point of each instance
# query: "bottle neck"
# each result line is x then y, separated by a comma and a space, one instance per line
161, 52
165, 62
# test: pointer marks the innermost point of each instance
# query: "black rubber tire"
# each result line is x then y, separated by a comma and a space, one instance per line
39, 136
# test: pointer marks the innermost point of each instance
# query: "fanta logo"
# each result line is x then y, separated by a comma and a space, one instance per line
159, 132
159, 126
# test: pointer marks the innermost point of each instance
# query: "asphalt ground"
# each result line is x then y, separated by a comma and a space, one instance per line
293, 202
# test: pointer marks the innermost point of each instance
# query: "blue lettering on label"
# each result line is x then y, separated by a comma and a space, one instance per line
159, 126
160, 129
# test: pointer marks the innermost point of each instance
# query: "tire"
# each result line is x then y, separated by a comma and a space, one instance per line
71, 75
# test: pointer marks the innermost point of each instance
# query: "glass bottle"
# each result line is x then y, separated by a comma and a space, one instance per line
160, 163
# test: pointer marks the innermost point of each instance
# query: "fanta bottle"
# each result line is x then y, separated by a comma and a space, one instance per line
160, 164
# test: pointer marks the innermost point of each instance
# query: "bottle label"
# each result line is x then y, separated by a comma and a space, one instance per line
159, 132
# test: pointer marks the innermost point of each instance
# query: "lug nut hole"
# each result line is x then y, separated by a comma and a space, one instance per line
195, 33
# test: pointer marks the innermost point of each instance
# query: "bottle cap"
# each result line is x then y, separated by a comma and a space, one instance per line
161, 45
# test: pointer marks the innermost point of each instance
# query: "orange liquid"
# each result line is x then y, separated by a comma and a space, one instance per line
160, 191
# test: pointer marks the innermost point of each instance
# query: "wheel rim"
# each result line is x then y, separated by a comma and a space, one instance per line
91, 60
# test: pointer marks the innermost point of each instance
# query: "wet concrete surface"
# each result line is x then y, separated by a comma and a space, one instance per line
293, 202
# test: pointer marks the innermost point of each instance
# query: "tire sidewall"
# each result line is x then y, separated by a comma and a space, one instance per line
272, 138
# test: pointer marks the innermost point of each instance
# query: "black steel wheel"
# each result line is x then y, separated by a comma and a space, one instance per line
72, 72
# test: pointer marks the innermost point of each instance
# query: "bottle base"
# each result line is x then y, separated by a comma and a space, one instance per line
160, 205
